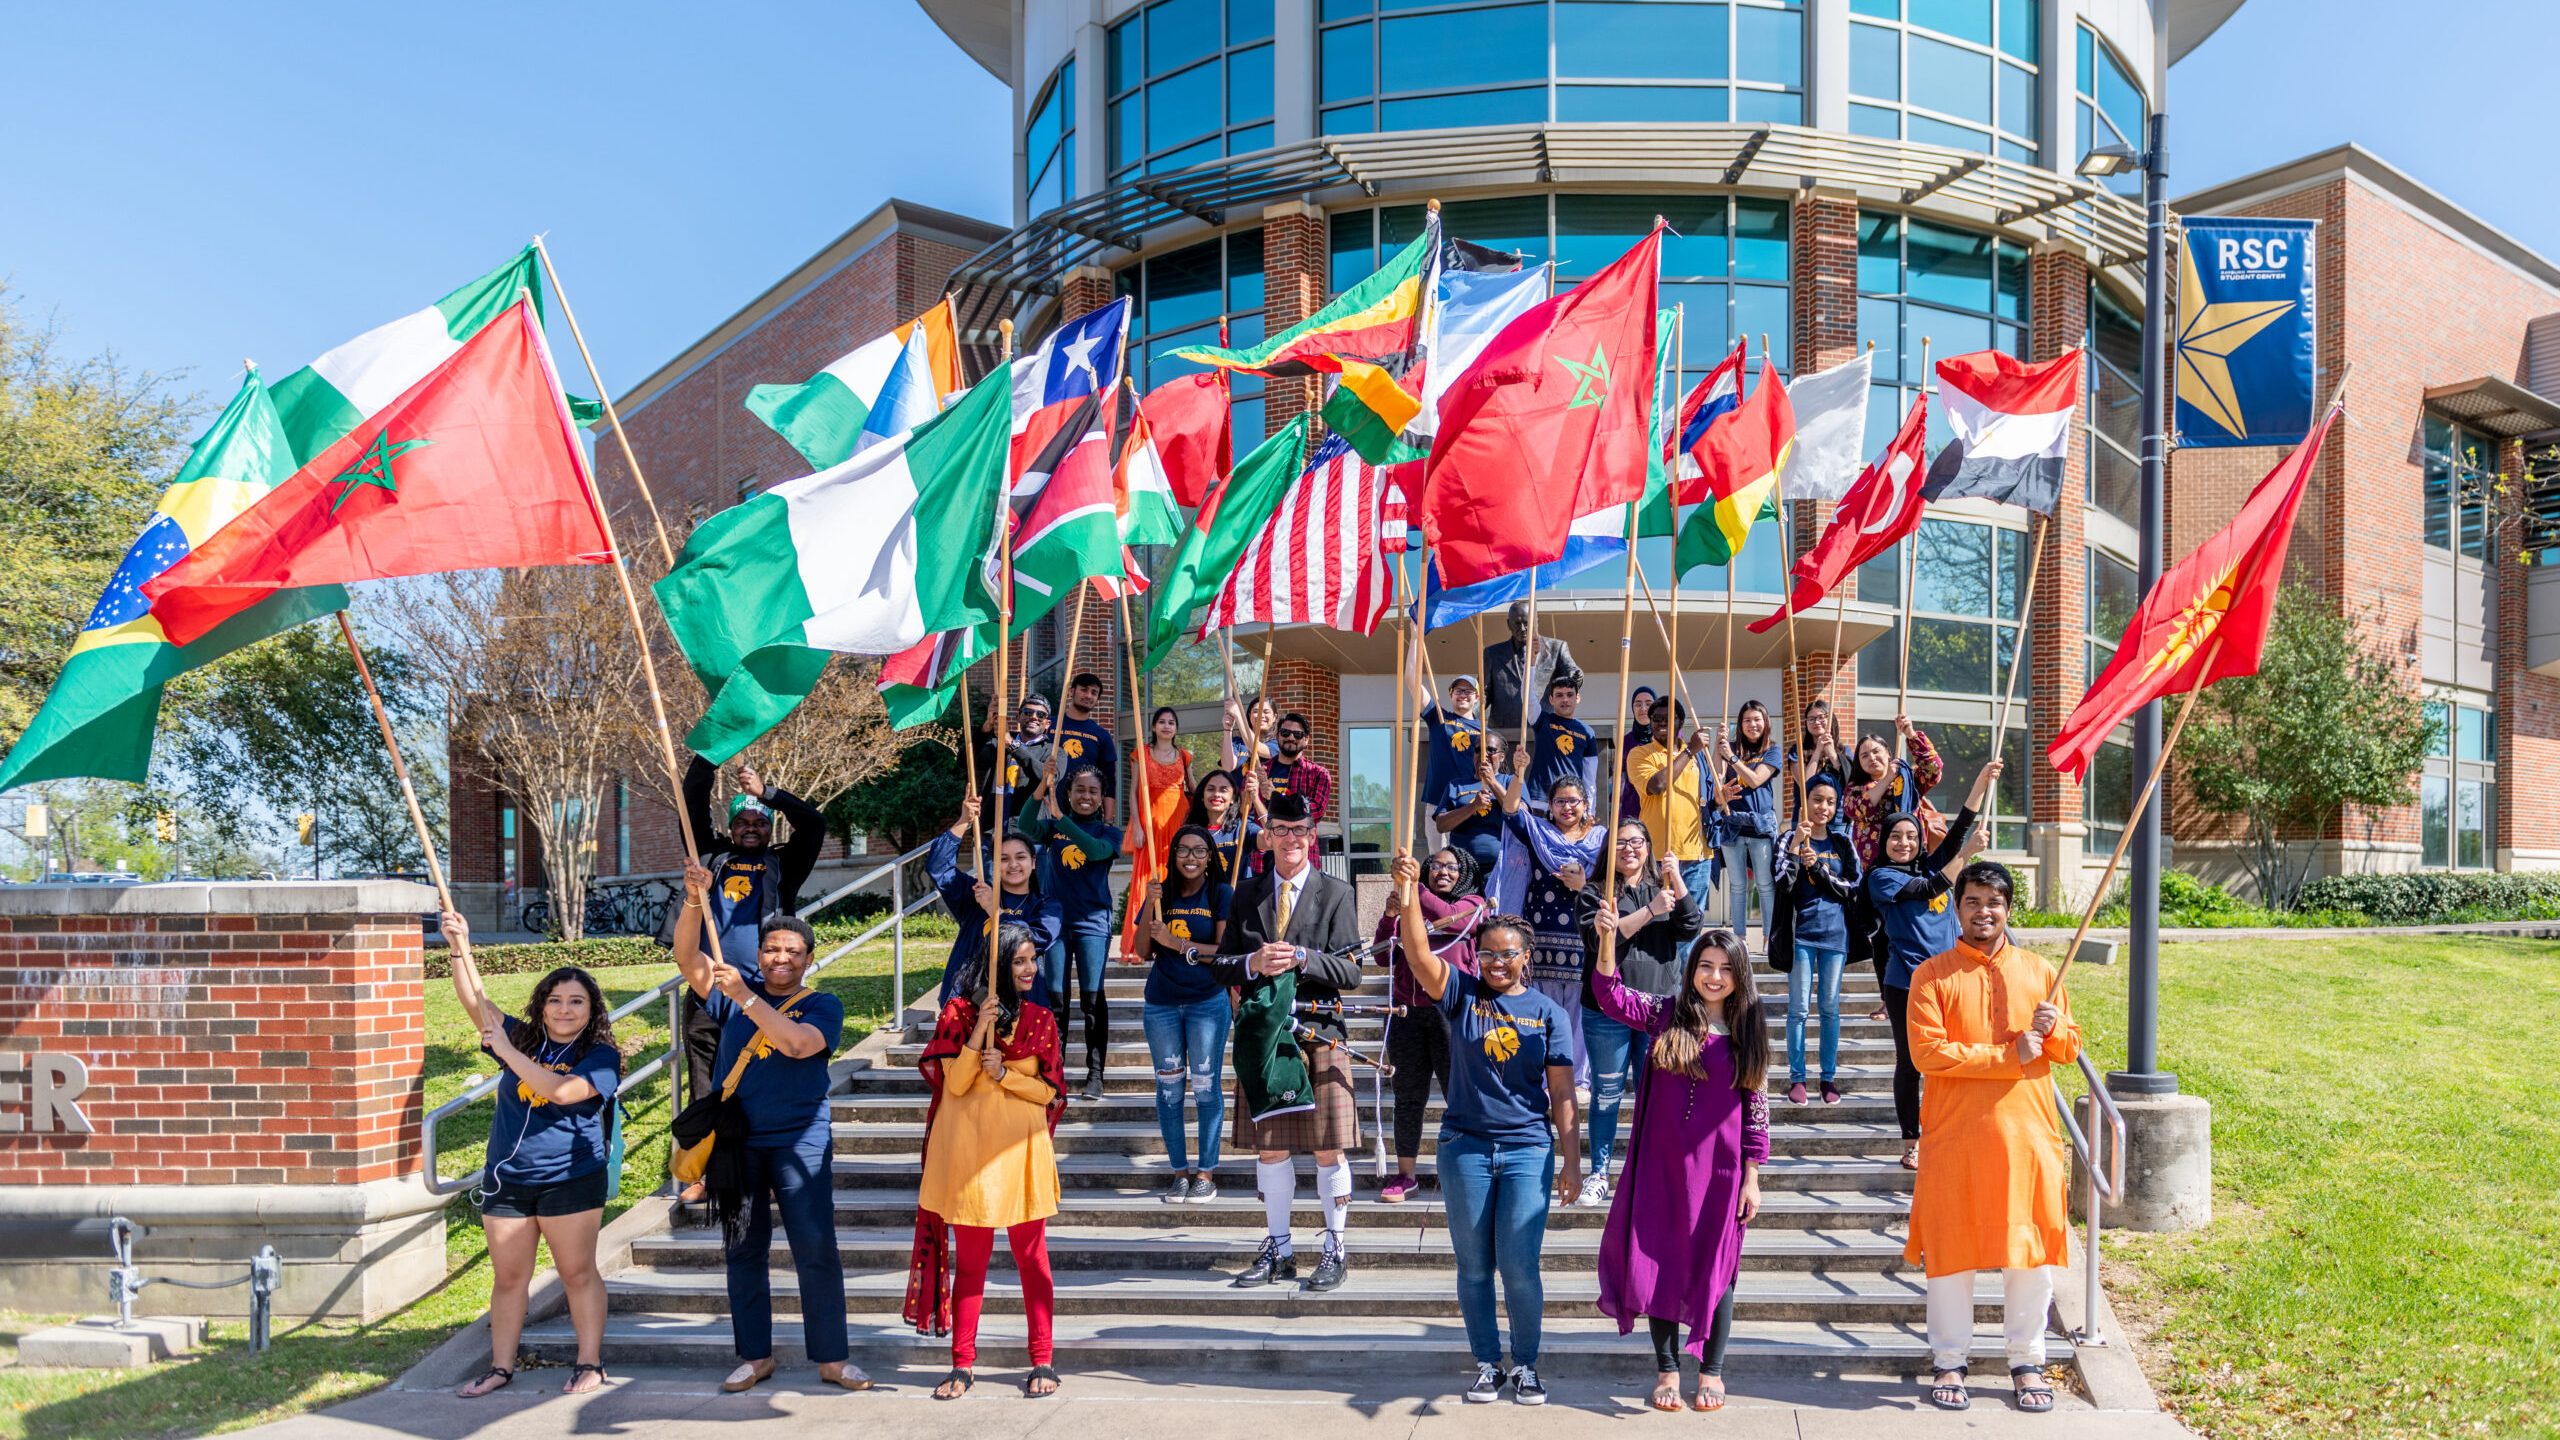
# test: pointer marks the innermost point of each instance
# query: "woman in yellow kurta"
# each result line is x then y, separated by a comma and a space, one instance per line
989, 1163
1989, 1193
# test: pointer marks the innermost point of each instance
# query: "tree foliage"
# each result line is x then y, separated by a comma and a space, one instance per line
914, 795
2326, 724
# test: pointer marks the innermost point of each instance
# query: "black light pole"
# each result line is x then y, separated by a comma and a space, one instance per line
2141, 1074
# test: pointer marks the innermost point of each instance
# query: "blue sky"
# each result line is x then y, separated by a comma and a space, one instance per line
193, 184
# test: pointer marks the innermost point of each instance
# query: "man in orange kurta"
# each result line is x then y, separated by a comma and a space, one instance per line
1990, 1190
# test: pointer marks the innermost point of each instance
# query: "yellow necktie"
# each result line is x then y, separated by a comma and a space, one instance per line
1282, 931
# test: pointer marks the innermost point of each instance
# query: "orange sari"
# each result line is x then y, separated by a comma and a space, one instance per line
1165, 802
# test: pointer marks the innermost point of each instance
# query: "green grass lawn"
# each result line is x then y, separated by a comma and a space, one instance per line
312, 1366
2385, 1254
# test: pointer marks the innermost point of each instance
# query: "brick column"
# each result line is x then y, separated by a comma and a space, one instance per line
2057, 829
1823, 297
1293, 288
1314, 691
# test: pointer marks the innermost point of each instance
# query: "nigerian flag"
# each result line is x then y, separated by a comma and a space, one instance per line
104, 708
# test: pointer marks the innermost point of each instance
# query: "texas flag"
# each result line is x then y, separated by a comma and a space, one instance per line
2012, 423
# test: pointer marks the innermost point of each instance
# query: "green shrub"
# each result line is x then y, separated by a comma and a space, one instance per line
2188, 902
2439, 897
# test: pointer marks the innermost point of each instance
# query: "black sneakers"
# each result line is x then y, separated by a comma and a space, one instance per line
1488, 1386
1269, 1267
1525, 1386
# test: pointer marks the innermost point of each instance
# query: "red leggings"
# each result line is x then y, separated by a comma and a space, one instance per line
1029, 1242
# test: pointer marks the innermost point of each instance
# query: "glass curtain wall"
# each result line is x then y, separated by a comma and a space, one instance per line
1416, 65
1189, 81
1049, 144
1961, 73
2112, 593
2112, 422
2461, 481
2110, 107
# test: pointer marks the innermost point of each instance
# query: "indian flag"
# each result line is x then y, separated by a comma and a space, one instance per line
868, 558
825, 416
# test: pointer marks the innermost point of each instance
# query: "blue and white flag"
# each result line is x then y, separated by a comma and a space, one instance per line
1595, 539
2244, 344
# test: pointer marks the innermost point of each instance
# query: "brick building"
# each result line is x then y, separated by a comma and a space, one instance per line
1852, 176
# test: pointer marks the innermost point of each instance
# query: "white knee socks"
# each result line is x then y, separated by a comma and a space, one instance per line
1277, 1182
1333, 1191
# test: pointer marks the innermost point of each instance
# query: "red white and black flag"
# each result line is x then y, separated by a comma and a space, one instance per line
2012, 423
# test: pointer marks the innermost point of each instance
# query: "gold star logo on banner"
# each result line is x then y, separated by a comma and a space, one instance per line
2207, 334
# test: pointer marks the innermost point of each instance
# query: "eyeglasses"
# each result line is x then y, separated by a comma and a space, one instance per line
1290, 832
1513, 953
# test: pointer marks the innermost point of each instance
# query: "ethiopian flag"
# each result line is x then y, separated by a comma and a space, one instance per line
1372, 320
103, 710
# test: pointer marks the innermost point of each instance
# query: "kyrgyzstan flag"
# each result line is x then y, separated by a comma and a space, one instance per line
2206, 620
1882, 505
1549, 424
2012, 424
476, 466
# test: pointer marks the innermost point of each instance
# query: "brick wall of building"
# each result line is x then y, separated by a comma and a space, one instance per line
1293, 288
222, 1049
1823, 295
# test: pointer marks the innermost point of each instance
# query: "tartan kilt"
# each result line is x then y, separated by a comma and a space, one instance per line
1334, 1123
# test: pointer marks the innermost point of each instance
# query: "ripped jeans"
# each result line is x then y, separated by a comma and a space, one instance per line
1188, 1043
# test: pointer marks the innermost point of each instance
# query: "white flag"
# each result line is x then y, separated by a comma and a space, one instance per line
1831, 430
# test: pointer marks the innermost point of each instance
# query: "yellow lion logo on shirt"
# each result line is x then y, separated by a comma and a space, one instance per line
1938, 903
1073, 746
1071, 857
737, 888
524, 1091
1564, 744
1462, 741
1179, 929
1501, 1043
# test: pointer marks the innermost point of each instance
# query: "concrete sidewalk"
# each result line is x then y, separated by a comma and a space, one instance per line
650, 1404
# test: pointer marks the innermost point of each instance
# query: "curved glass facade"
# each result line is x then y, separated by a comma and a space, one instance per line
1189, 81
1962, 73
1928, 287
1176, 299
2110, 107
1414, 65
1049, 144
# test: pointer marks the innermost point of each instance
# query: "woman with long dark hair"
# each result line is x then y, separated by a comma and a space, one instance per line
1657, 917
1909, 891
1080, 844
547, 1173
1160, 777
1418, 1040
1234, 825
1818, 876
1747, 825
1673, 1245
1016, 893
1186, 1012
989, 1164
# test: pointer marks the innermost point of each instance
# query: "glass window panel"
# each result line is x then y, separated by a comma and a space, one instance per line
1126, 140
2012, 151
1040, 139
2438, 525
1950, 267
1950, 655
1768, 107
1486, 107
1343, 65
2017, 100
1350, 120
1875, 121
2012, 568
1047, 190
1633, 103
1183, 288
2118, 96
1948, 334
1762, 310
1879, 255
1948, 78
1880, 9
1468, 47
1182, 107
1179, 32
1760, 240
2470, 734
2088, 69
2018, 31
2114, 592
1248, 20
2012, 301
2015, 649
1248, 424
1964, 749
1953, 573
1346, 9
2470, 824
1953, 136
2435, 822
1189, 155
1517, 223
1124, 65
1244, 271
1885, 409
1617, 39
1593, 230
2115, 483
1769, 45
1880, 324
1964, 19
1875, 62
2110, 791
1880, 663
1703, 338
2441, 713
1249, 139
1249, 87
1880, 579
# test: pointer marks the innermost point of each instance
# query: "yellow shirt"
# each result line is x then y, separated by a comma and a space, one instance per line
990, 1161
1672, 817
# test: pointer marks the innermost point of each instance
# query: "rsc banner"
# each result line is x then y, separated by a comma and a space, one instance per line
2244, 344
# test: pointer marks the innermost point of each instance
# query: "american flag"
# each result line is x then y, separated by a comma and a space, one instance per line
1319, 560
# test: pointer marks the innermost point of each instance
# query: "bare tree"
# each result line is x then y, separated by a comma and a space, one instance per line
536, 667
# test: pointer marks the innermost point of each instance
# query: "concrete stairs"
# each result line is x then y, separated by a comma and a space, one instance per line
1142, 1285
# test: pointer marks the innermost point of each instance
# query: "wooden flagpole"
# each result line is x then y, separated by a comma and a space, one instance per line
399, 764
1679, 682
969, 761
1066, 679
1529, 663
1910, 572
1146, 747
611, 414
1004, 654
1252, 754
1615, 785
2036, 529
1786, 569
1671, 502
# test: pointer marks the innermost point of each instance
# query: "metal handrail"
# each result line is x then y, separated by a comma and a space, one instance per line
671, 991
2106, 1182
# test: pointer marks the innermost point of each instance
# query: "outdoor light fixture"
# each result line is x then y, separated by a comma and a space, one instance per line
2113, 158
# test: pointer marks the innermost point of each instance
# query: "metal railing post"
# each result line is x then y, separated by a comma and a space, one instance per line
897, 943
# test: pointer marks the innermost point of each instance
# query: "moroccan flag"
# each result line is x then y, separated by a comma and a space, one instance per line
1883, 505
1372, 320
831, 414
1229, 520
1189, 420
104, 707
476, 466
2206, 620
2012, 424
1738, 465
1548, 425
866, 558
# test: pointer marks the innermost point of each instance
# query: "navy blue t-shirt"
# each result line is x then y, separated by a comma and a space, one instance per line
1076, 874
1821, 922
785, 1099
1499, 1049
1173, 980
1086, 742
1456, 740
534, 1142
1754, 811
1561, 749
1917, 922
738, 885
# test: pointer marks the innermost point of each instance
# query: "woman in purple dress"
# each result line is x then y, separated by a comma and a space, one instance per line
1674, 1241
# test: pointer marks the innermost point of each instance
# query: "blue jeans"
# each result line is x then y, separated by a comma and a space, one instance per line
1699, 878
1812, 967
1497, 1198
1751, 851
801, 1179
1617, 1058
1188, 1042
1091, 953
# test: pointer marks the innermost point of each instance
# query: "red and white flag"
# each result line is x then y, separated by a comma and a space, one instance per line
1883, 505
2012, 423
1318, 560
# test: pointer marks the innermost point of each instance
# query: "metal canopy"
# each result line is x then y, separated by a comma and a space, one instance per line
1117, 223
2502, 408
